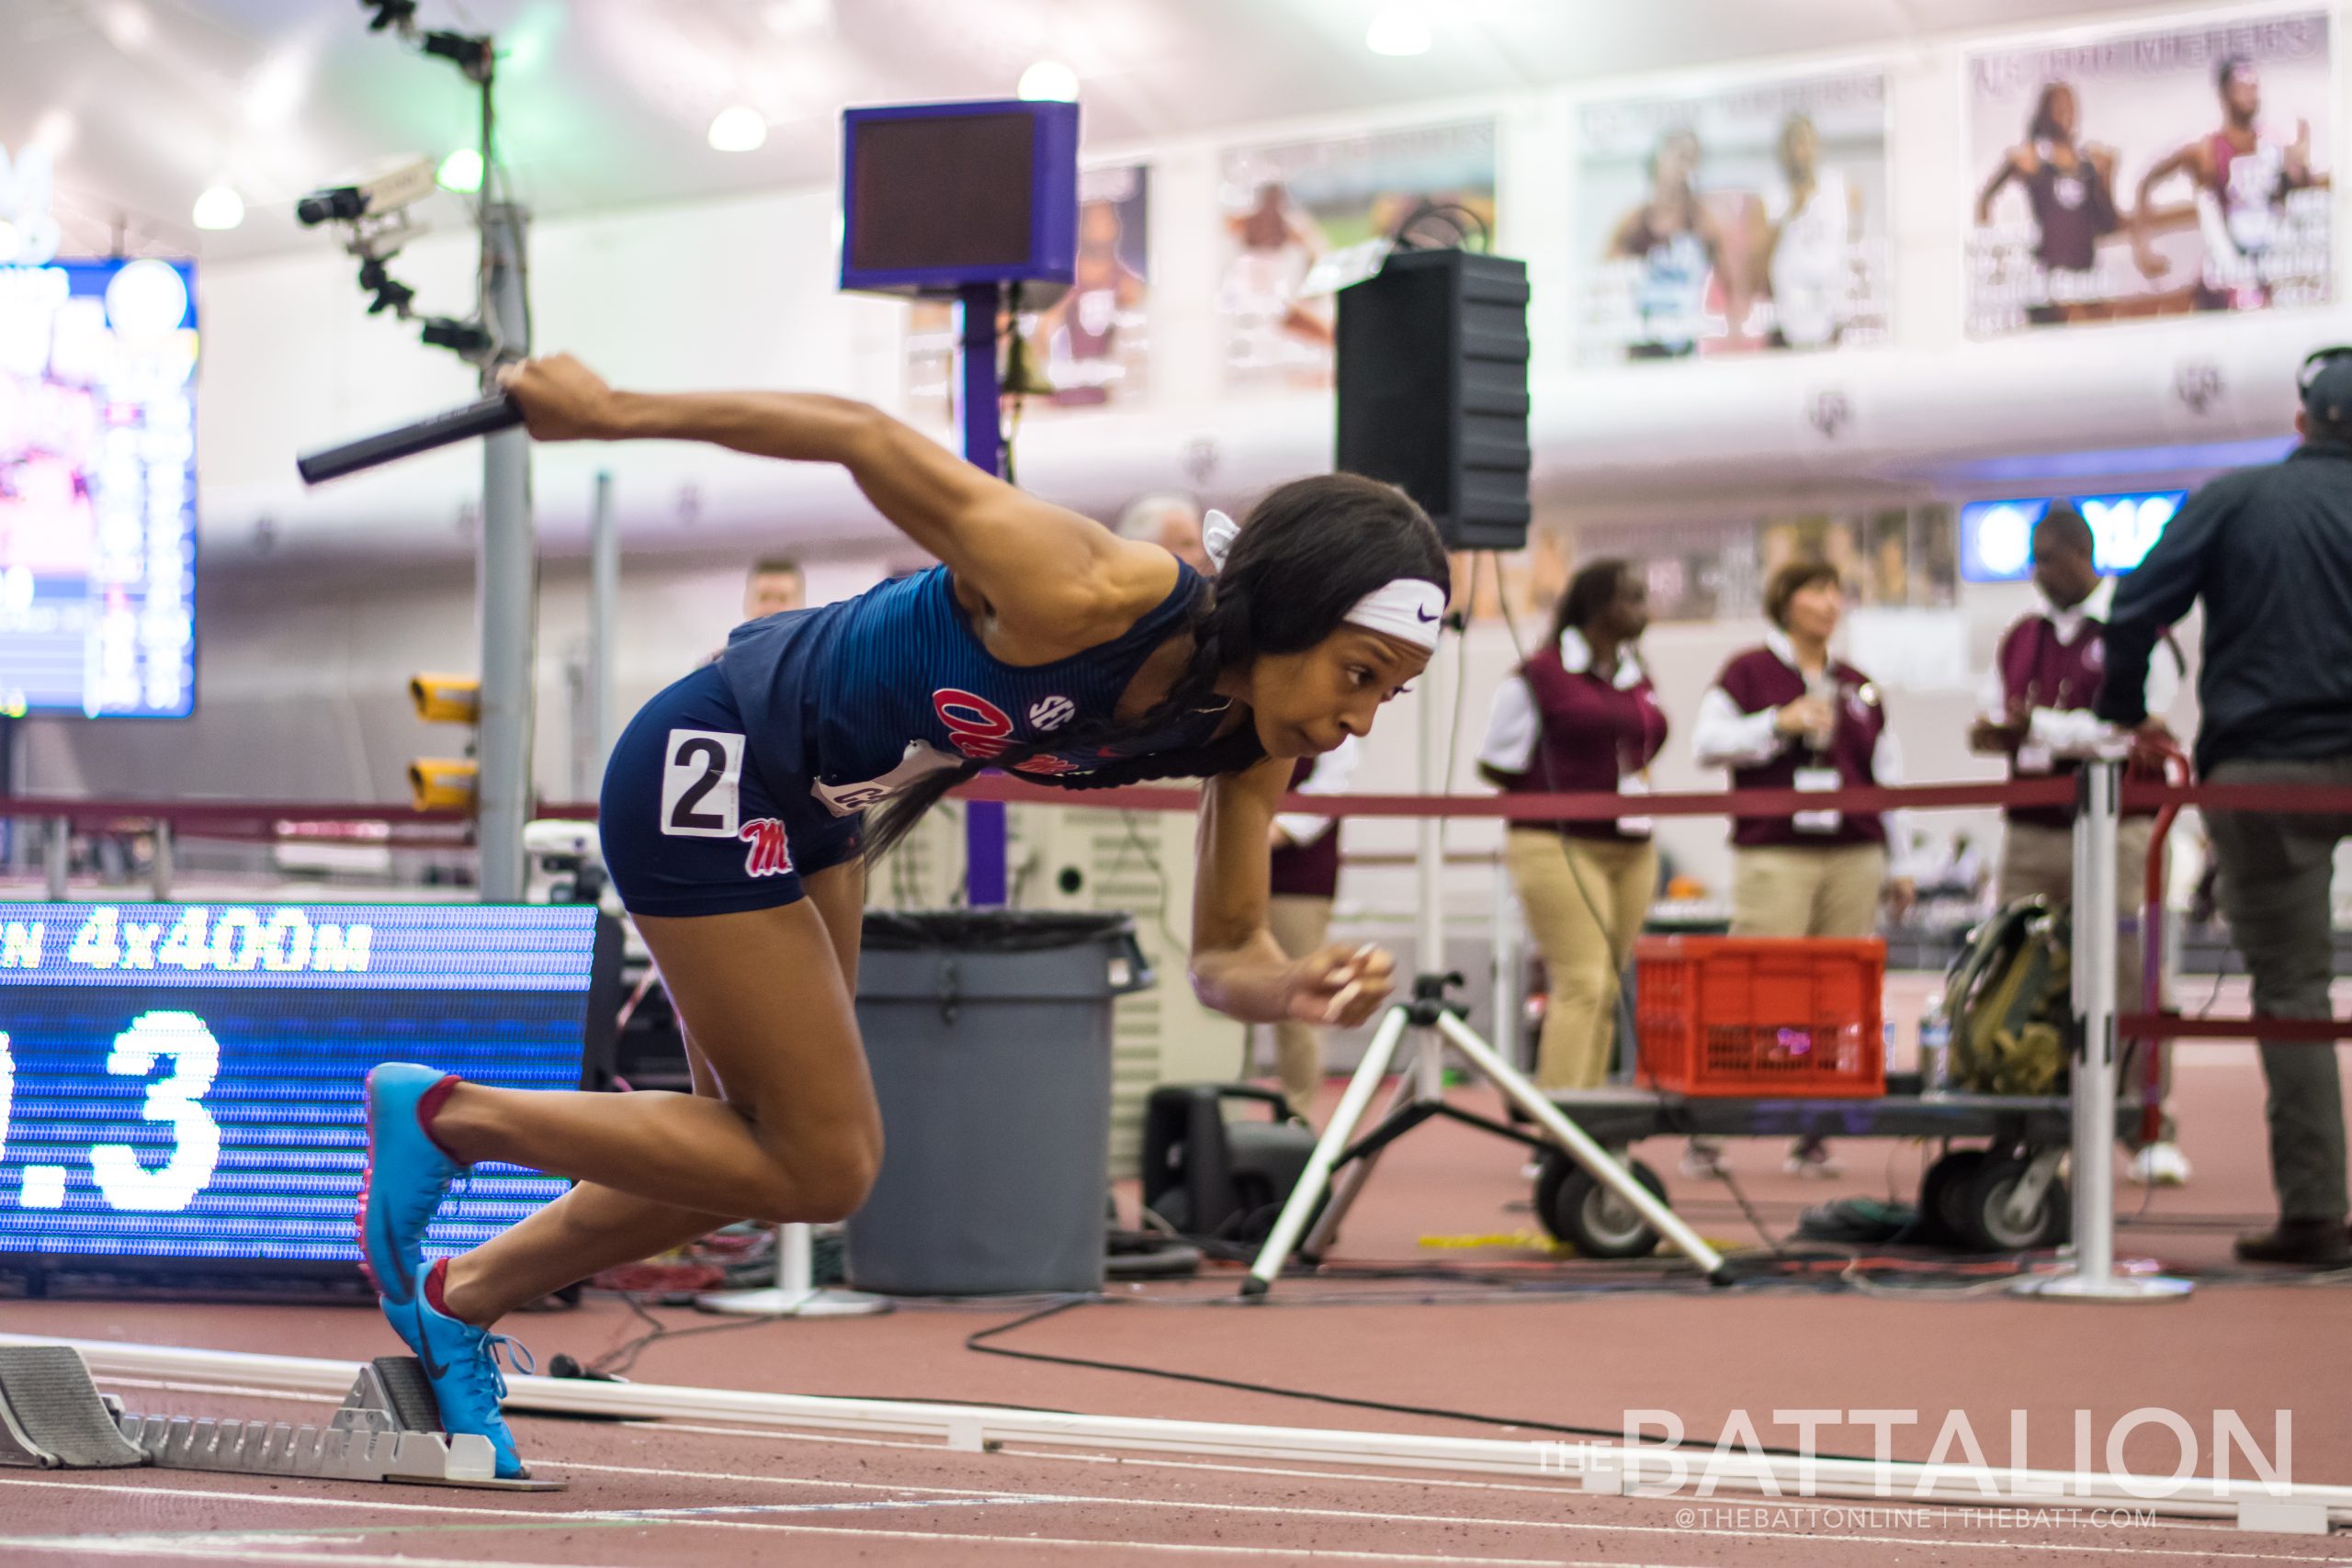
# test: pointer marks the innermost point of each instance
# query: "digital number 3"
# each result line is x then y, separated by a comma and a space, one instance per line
196, 1149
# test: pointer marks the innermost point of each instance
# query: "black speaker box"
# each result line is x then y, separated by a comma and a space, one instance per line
1433, 374
1210, 1177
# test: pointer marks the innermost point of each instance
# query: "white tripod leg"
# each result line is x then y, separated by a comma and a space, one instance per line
1312, 1181
1581, 1147
1343, 1192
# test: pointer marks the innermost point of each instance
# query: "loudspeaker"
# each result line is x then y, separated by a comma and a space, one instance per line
1433, 374
1218, 1179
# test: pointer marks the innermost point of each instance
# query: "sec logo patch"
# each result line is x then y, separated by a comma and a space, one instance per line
1051, 713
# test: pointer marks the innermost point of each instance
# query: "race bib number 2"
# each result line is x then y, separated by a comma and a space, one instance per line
702, 777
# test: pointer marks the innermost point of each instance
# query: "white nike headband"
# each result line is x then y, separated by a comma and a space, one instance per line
1410, 609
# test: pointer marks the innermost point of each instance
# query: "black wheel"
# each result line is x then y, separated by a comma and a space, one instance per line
1989, 1225
1597, 1222
1943, 1194
1554, 1171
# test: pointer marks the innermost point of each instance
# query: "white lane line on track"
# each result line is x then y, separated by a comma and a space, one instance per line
241, 1553
555, 1517
1576, 1526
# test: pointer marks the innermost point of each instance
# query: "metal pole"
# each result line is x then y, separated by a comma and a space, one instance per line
984, 831
603, 633
795, 1293
1429, 864
506, 586
159, 872
2097, 820
61, 850
1510, 969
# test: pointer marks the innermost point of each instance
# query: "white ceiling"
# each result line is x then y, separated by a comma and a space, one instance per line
606, 103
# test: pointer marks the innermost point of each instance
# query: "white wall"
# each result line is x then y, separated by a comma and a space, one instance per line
305, 646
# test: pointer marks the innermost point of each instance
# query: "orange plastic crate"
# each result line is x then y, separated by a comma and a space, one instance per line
1796, 1017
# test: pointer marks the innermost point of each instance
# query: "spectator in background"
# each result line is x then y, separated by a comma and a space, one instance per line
2269, 551
1581, 714
1170, 521
776, 585
1789, 716
1304, 880
2036, 711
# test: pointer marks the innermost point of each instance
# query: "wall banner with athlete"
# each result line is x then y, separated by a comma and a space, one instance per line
1091, 340
2150, 174
1288, 206
1731, 221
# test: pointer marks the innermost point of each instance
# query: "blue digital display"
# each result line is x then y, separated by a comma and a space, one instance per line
98, 488
1997, 537
184, 1081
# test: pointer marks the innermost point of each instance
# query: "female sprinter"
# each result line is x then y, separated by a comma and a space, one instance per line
740, 804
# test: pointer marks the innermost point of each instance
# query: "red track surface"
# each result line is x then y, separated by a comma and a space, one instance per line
673, 1494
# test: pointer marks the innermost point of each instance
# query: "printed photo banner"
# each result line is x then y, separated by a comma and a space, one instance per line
2151, 174
1746, 220
1288, 206
1089, 343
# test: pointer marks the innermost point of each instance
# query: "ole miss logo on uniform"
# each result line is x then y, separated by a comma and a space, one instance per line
770, 855
976, 726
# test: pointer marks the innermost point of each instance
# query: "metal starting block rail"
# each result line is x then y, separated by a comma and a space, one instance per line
388, 1429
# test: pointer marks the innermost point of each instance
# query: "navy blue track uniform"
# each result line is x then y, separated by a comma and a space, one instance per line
750, 774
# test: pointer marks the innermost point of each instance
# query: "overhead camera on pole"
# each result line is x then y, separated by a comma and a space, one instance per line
375, 209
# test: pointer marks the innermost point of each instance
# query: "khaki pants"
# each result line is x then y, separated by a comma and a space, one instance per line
2038, 861
1586, 900
1830, 891
1299, 922
2276, 872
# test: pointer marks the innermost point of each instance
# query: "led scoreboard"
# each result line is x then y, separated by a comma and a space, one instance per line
180, 1083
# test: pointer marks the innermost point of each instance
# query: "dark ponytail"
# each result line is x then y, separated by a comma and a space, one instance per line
1308, 551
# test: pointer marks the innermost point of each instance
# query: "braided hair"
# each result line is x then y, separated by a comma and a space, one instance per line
1307, 552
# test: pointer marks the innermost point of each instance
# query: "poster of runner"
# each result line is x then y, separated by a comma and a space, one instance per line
2150, 173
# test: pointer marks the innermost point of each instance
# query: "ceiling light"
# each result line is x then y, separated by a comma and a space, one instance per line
126, 25
55, 130
1049, 81
793, 17
218, 208
738, 129
1399, 30
461, 172
275, 90
147, 299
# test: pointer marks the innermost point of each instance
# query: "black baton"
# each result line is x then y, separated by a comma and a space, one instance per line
487, 417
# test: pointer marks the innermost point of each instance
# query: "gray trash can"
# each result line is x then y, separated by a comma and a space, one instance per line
989, 1035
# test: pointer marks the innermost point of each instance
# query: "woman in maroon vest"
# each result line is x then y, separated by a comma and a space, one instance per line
1789, 716
1581, 714
1305, 878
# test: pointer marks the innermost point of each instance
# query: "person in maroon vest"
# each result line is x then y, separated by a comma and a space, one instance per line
2036, 710
1306, 877
1790, 716
1581, 714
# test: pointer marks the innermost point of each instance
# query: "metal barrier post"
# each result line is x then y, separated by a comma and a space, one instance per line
61, 850
2098, 818
159, 872
1509, 970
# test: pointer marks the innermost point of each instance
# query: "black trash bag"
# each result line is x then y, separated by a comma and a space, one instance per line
993, 930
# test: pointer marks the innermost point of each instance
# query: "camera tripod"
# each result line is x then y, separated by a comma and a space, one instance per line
1435, 1023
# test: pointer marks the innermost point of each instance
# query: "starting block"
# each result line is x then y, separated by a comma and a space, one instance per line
388, 1429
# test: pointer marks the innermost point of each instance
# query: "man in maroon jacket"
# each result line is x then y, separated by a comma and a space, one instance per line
2037, 712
